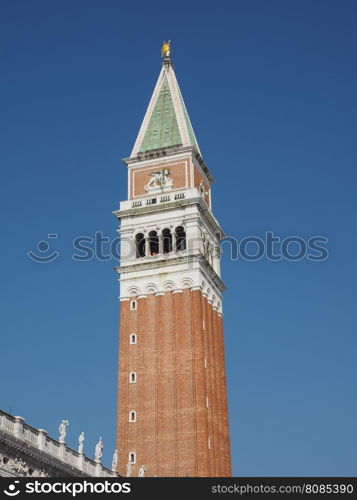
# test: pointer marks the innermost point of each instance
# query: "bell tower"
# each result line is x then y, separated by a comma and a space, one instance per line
172, 400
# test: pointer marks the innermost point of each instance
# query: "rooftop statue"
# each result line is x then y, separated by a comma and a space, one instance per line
115, 461
81, 442
166, 49
98, 451
63, 430
129, 469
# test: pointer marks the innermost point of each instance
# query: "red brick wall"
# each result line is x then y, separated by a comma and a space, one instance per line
179, 173
197, 181
140, 176
175, 333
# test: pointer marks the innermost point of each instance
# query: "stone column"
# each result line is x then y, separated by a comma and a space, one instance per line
161, 243
98, 469
81, 461
173, 234
193, 236
42, 439
127, 245
62, 451
19, 427
147, 245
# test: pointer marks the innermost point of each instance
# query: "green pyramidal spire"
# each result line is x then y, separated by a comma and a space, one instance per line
166, 122
162, 130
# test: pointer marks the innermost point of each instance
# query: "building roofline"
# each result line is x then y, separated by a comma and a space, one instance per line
169, 151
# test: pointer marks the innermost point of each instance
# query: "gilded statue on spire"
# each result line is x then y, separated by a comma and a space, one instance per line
165, 49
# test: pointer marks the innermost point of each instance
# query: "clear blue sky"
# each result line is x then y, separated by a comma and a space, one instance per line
271, 91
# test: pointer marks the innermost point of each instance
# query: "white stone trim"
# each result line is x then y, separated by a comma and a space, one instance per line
192, 176
171, 157
187, 283
133, 291
169, 285
151, 288
148, 280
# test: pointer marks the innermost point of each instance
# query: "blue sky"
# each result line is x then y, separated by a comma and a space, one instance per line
271, 92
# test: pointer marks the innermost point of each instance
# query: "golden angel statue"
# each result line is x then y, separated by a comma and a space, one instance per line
165, 49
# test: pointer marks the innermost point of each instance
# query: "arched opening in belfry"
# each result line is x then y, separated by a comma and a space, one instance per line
167, 240
140, 245
153, 243
180, 238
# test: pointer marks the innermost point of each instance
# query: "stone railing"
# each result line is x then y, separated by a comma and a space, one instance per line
160, 198
17, 428
6, 422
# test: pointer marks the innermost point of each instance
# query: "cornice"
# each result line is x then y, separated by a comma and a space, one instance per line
171, 151
40, 456
158, 264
